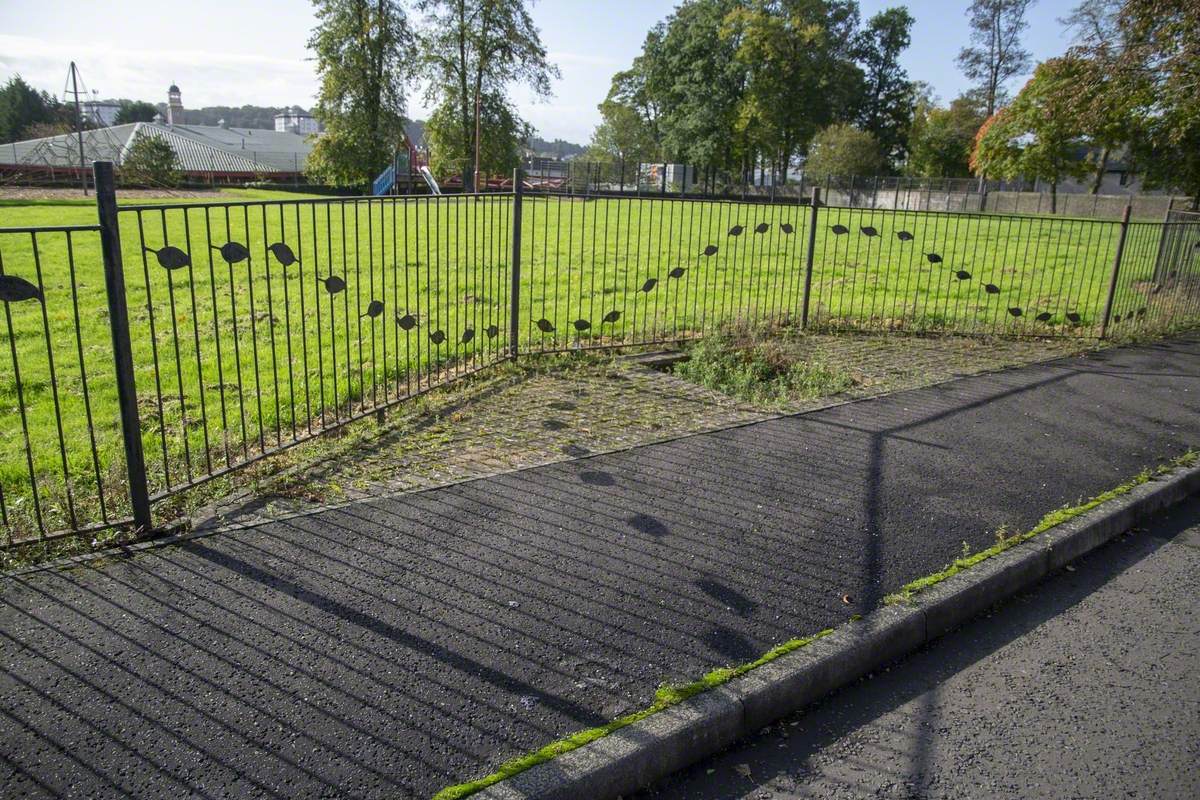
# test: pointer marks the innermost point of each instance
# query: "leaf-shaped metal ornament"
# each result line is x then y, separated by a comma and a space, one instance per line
171, 257
233, 252
1073, 317
407, 322
467, 335
839, 229
736, 230
933, 258
1116, 317
1016, 312
581, 324
492, 330
14, 289
545, 325
867, 230
1141, 312
1044, 316
904, 236
762, 227
437, 337
677, 272
649, 284
374, 309
333, 284
711, 250
612, 316
962, 275
786, 227
992, 288
283, 254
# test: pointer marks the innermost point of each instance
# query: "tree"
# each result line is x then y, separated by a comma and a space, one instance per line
151, 161
360, 50
996, 55
135, 111
887, 110
502, 135
622, 135
476, 49
842, 150
1036, 135
941, 139
22, 107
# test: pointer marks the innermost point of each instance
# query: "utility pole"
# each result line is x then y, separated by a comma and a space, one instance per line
79, 128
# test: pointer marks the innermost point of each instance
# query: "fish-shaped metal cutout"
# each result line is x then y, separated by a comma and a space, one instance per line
233, 252
492, 330
677, 272
283, 254
711, 250
545, 325
581, 324
786, 227
839, 229
904, 236
649, 284
992, 288
736, 230
467, 335
171, 257
612, 316
1016, 312
933, 258
407, 322
1044, 316
374, 309
962, 275
14, 289
333, 284
762, 227
868, 230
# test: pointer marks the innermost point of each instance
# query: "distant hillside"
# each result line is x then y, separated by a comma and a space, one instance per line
257, 117
558, 148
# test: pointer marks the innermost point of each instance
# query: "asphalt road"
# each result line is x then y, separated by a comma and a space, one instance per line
389, 648
1085, 687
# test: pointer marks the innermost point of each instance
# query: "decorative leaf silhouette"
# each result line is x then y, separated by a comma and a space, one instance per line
736, 230
962, 275
581, 324
468, 335
933, 258
1016, 312
649, 284
786, 227
762, 227
233, 252
711, 250
545, 326
1116, 317
171, 257
677, 272
904, 236
492, 330
407, 322
437, 337
333, 284
840, 229
283, 254
1141, 312
14, 289
374, 309
1073, 318
869, 231
1044, 316
992, 288
612, 316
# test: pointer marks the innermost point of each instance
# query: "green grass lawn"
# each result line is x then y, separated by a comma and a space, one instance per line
238, 351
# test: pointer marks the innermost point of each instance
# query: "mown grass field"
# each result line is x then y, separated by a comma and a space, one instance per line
242, 349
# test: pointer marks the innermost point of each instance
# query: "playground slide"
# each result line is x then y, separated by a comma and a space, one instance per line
429, 180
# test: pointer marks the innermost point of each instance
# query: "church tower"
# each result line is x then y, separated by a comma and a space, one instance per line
174, 106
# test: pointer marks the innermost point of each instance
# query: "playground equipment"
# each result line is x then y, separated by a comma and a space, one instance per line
407, 163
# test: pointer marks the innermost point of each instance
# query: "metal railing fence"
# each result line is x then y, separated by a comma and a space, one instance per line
171, 344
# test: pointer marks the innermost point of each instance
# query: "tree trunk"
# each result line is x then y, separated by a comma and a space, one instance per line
1100, 170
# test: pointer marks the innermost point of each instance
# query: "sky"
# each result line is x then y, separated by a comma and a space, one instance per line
232, 52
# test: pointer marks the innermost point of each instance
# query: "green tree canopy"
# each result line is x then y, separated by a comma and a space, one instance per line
843, 150
995, 55
151, 161
889, 99
22, 107
135, 111
502, 135
941, 139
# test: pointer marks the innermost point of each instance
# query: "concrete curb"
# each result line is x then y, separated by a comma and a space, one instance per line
636, 756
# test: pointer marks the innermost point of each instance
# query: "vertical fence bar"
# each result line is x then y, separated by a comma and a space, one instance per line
118, 318
808, 256
1116, 268
514, 312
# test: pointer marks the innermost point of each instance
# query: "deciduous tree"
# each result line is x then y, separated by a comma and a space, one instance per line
995, 55
843, 150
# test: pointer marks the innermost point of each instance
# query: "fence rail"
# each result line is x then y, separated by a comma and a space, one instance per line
172, 344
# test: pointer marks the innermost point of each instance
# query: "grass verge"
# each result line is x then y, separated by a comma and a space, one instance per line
668, 695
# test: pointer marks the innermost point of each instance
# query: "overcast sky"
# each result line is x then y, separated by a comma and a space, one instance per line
232, 52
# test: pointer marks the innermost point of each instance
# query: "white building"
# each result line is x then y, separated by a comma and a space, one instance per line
296, 120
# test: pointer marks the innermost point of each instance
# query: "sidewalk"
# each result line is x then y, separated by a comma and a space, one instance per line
392, 647
1083, 687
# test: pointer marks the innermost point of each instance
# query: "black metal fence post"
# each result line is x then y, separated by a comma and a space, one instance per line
514, 311
1116, 269
118, 320
808, 257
